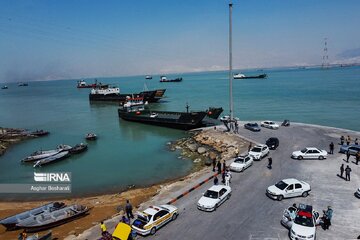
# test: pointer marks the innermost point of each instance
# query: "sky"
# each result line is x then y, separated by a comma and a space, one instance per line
44, 40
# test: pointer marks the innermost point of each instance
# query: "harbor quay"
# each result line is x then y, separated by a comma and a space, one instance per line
249, 213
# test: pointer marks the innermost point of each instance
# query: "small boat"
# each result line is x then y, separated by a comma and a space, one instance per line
4, 87
242, 76
10, 222
51, 159
83, 84
91, 136
23, 84
38, 155
148, 77
164, 79
134, 101
78, 148
49, 220
47, 236
40, 133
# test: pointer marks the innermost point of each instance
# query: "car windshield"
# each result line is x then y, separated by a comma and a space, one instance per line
211, 194
253, 124
304, 150
239, 160
256, 149
281, 185
304, 219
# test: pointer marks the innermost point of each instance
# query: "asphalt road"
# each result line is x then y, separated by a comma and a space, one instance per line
250, 214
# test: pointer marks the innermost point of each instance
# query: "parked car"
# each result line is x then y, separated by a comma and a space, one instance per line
310, 153
344, 148
154, 217
269, 124
353, 150
357, 193
286, 123
304, 224
214, 197
272, 143
241, 163
287, 188
252, 127
259, 151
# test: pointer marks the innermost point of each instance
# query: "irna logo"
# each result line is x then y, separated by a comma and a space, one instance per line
52, 177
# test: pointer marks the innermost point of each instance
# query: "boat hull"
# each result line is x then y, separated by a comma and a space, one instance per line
247, 77
52, 159
149, 96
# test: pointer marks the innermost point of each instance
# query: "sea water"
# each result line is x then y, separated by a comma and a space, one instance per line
128, 153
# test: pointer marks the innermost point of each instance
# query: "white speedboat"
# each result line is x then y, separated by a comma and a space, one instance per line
56, 157
37, 155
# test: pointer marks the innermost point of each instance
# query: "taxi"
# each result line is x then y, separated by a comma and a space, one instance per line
153, 218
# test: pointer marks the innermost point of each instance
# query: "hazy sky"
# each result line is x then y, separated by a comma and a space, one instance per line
50, 39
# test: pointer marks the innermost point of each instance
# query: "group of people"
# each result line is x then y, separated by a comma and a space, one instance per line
347, 171
348, 140
226, 177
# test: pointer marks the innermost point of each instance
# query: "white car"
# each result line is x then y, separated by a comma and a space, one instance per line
259, 151
154, 217
309, 153
269, 124
213, 197
304, 224
287, 188
241, 163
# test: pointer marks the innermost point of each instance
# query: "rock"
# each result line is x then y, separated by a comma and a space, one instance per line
208, 162
192, 147
201, 150
212, 155
197, 160
178, 147
72, 233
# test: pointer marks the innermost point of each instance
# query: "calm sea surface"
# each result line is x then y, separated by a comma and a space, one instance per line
131, 153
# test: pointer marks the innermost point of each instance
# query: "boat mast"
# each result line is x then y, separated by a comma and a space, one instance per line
230, 62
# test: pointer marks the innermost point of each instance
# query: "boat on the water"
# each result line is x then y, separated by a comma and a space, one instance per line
242, 76
47, 236
10, 222
113, 94
51, 219
91, 136
214, 112
38, 155
83, 84
4, 87
57, 157
78, 148
148, 77
178, 120
164, 79
40, 133
23, 84
134, 101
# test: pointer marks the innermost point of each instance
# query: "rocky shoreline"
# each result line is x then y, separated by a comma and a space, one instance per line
11, 136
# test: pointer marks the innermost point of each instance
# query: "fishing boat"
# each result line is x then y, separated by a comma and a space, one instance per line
47, 236
52, 159
148, 77
51, 219
90, 136
164, 79
178, 120
38, 155
83, 84
40, 133
242, 76
78, 148
23, 84
4, 87
10, 222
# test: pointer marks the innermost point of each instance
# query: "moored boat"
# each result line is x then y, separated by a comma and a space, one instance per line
47, 236
40, 133
51, 159
48, 220
23, 84
10, 222
148, 77
242, 76
38, 155
164, 79
4, 87
214, 112
91, 136
78, 148
83, 84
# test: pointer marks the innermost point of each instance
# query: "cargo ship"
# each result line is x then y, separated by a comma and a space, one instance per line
164, 79
242, 76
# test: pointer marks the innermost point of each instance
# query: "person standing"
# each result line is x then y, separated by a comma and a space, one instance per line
236, 152
342, 139
347, 173
227, 178
328, 215
347, 156
219, 167
216, 180
331, 148
341, 170
357, 157
214, 164
103, 228
223, 177
356, 141
249, 148
224, 166
348, 140
236, 127
128, 209
270, 163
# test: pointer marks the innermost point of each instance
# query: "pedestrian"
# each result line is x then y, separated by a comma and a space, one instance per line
327, 217
236, 127
348, 140
356, 141
128, 209
227, 178
331, 148
223, 177
357, 157
270, 163
219, 167
125, 220
342, 139
216, 180
236, 152
347, 173
214, 164
249, 148
224, 166
341, 170
103, 228
23, 235
347, 156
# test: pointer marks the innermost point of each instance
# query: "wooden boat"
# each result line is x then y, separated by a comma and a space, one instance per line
38, 155
78, 148
10, 222
51, 159
40, 133
47, 236
242, 76
49, 220
90, 136
164, 79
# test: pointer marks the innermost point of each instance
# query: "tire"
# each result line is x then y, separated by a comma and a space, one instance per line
174, 216
300, 158
321, 157
305, 194
153, 231
228, 196
216, 206
281, 197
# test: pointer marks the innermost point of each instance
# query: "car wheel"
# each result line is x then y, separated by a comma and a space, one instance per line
153, 231
305, 194
281, 197
321, 157
216, 206
228, 196
300, 157
174, 216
